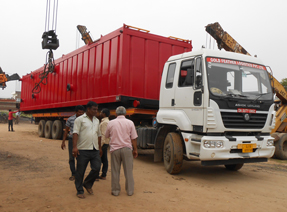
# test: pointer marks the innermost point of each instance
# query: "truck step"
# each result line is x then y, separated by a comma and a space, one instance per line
145, 151
150, 145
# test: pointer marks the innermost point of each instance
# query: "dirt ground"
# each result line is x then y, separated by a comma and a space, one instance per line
34, 176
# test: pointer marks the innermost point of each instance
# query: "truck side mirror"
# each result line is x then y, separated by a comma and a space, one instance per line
198, 65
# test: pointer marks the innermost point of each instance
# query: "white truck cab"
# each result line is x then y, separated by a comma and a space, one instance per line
216, 107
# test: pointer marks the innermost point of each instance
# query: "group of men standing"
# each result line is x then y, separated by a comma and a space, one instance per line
89, 140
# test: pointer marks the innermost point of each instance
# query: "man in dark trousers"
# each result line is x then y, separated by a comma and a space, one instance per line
105, 113
10, 120
69, 127
87, 148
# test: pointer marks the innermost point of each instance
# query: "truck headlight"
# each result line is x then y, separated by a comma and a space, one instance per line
270, 142
213, 144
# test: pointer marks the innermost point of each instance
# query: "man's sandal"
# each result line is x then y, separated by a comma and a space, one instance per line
89, 190
81, 196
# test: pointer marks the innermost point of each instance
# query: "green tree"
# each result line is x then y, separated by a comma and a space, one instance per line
284, 83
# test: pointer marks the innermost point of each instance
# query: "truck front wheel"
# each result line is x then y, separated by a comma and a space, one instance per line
281, 148
234, 167
173, 153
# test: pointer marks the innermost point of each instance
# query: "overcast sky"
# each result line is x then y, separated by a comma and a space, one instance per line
260, 26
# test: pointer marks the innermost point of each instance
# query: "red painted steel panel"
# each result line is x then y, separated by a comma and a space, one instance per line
91, 72
74, 78
125, 70
55, 78
79, 85
113, 83
98, 71
137, 64
54, 89
64, 85
59, 82
49, 85
69, 78
85, 76
105, 71
125, 62
152, 70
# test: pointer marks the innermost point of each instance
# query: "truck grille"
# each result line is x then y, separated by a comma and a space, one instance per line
236, 120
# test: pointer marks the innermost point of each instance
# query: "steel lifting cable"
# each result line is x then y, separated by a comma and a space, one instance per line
55, 15
50, 42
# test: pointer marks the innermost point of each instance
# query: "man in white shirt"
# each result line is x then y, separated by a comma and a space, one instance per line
87, 148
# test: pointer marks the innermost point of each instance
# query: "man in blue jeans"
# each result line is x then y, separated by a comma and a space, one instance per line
87, 148
69, 127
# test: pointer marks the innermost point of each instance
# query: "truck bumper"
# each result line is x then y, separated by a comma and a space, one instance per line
231, 149
233, 161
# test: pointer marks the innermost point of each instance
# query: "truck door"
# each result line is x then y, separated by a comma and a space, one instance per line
167, 100
188, 92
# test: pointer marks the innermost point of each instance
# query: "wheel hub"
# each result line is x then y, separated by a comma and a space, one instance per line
167, 153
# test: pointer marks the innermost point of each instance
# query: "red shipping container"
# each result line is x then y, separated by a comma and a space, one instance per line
123, 66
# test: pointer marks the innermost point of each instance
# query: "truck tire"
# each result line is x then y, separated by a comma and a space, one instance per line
48, 129
234, 167
57, 129
281, 148
41, 128
173, 153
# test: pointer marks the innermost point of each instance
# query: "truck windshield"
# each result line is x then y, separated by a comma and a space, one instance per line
231, 78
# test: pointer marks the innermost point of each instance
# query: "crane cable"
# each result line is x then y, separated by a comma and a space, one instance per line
55, 15
50, 42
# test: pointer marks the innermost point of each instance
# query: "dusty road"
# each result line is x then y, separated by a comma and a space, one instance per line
34, 176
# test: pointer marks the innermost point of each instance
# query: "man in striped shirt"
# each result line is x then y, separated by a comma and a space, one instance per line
69, 127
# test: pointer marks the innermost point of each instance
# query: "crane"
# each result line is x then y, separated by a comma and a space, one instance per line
85, 34
228, 43
5, 78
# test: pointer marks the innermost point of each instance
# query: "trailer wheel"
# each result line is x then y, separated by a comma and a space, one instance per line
48, 129
281, 148
57, 129
41, 128
173, 153
234, 167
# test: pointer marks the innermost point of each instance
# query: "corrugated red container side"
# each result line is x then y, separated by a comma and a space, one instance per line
126, 62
